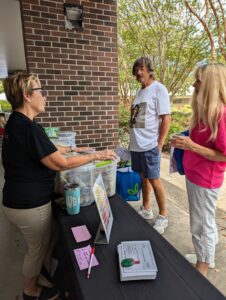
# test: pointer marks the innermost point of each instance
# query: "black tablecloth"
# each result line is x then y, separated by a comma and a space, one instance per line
176, 278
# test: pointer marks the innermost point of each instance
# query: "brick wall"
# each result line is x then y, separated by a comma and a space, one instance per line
78, 69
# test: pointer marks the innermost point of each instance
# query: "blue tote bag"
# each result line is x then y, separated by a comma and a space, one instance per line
128, 184
178, 154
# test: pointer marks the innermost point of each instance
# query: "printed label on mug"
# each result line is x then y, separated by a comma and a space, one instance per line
72, 197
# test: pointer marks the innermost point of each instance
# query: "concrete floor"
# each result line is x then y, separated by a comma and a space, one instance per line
179, 223
12, 245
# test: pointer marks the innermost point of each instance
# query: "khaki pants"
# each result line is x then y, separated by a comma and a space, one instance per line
35, 225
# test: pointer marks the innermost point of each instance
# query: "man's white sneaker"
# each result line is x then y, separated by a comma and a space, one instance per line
192, 258
161, 223
146, 214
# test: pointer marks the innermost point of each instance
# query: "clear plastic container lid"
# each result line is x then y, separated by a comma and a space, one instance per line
66, 138
66, 134
104, 163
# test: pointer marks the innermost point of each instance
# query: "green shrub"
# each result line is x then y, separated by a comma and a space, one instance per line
182, 108
1, 86
124, 136
124, 116
179, 122
5, 106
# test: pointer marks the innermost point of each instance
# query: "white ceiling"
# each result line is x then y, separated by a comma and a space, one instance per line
12, 55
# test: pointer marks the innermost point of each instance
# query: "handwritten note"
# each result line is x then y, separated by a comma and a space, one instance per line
83, 257
81, 233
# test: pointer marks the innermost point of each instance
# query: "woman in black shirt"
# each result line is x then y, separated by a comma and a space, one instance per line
30, 161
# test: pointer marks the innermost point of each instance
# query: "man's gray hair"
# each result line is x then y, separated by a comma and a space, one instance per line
144, 61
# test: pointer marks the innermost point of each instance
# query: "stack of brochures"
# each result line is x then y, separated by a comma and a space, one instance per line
136, 261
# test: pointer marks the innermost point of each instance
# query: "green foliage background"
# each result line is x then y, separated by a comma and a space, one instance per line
5, 106
1, 86
165, 32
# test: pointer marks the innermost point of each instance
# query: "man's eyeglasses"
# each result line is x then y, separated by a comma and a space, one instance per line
42, 91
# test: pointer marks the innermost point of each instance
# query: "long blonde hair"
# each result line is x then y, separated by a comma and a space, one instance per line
208, 103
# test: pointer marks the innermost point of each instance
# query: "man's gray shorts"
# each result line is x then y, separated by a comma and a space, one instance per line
147, 163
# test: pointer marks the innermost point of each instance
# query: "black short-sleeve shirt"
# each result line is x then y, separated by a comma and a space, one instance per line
28, 183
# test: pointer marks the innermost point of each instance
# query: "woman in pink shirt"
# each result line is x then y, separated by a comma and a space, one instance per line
204, 158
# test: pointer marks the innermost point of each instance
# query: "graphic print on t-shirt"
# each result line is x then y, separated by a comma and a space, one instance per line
137, 118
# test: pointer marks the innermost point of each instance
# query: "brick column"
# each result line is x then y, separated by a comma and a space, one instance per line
78, 69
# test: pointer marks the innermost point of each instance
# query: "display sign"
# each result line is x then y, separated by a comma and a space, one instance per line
104, 209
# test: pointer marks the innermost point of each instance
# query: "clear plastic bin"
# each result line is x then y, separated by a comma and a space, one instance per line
66, 138
107, 169
86, 175
83, 176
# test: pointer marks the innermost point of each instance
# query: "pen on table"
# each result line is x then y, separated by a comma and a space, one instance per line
90, 262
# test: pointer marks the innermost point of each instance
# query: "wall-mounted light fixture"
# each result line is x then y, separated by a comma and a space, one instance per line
73, 16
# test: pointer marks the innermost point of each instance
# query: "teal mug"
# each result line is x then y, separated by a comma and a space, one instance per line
72, 198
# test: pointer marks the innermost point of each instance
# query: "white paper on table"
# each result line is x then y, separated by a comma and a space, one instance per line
83, 257
138, 250
81, 233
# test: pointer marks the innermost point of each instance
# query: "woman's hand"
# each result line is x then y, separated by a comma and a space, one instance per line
58, 162
104, 155
182, 142
84, 149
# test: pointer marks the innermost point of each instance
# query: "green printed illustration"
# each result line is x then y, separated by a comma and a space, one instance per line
133, 191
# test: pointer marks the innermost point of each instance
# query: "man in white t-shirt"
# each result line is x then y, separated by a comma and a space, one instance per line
149, 126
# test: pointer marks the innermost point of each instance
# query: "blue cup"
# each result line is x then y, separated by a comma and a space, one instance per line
72, 197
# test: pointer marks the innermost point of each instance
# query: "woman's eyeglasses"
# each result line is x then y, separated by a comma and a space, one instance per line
42, 91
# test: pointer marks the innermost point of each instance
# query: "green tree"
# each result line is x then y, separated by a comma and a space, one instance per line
164, 31
211, 14
1, 86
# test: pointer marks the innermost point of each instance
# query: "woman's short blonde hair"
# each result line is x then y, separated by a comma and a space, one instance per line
208, 104
17, 85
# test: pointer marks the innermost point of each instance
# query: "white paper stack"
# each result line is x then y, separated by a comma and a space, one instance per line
139, 251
